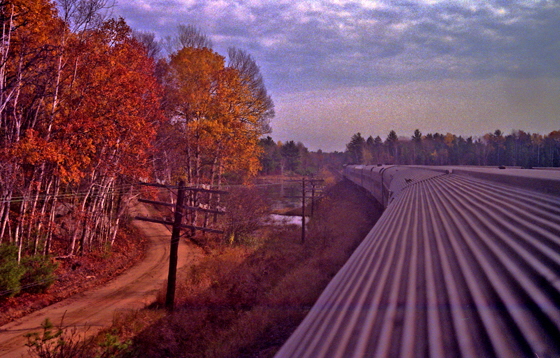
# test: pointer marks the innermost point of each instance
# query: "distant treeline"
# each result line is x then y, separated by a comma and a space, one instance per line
518, 148
294, 158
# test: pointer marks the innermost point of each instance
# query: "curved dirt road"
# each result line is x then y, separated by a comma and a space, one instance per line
94, 309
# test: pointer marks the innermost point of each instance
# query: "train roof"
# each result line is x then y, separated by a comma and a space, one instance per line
460, 264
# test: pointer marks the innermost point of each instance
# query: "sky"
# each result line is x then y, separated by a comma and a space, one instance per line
338, 67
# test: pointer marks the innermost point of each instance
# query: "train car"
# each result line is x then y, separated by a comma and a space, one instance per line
384, 182
464, 262
370, 177
545, 180
354, 173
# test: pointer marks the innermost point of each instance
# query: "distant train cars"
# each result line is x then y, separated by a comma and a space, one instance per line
385, 181
464, 262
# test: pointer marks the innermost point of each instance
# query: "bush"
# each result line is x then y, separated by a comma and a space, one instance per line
57, 342
69, 342
11, 272
34, 274
39, 274
246, 210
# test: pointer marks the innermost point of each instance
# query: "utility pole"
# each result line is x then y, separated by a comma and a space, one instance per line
303, 210
175, 236
313, 183
177, 225
304, 183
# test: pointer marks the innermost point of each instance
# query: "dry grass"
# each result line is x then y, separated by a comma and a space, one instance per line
244, 301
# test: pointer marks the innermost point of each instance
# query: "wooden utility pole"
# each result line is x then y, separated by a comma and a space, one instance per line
303, 197
303, 210
313, 184
175, 236
177, 225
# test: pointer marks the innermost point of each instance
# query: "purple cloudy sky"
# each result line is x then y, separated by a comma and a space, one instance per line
337, 67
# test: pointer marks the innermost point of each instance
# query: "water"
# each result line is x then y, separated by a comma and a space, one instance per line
284, 197
286, 219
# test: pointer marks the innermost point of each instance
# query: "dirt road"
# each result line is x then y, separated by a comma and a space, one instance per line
92, 310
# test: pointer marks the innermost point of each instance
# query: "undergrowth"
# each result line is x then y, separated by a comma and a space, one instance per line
245, 301
34, 274
67, 342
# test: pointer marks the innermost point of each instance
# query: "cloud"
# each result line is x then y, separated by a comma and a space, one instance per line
303, 44
338, 48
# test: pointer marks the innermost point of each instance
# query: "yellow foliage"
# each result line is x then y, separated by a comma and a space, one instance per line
217, 110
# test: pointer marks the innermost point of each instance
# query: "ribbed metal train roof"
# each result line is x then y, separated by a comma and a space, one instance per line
456, 266
400, 177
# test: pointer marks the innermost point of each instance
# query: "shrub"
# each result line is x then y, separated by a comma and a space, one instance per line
246, 210
57, 342
33, 274
39, 274
11, 271
69, 342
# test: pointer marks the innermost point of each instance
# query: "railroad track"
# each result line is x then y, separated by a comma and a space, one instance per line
457, 266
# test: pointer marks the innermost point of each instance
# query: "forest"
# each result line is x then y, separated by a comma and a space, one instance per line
89, 108
519, 148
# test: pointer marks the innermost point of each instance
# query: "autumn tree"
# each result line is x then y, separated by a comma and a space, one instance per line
262, 105
79, 105
209, 100
29, 48
116, 109
218, 112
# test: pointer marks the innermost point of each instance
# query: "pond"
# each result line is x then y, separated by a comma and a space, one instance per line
278, 219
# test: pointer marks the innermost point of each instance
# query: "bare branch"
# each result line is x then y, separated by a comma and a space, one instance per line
148, 39
250, 73
191, 36
187, 36
83, 15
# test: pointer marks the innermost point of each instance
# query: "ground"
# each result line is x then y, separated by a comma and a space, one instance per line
93, 309
79, 273
278, 269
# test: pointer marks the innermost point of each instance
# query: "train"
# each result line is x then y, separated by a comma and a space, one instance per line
463, 262
384, 182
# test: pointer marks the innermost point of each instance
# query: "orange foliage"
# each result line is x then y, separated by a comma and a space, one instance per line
114, 107
78, 113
